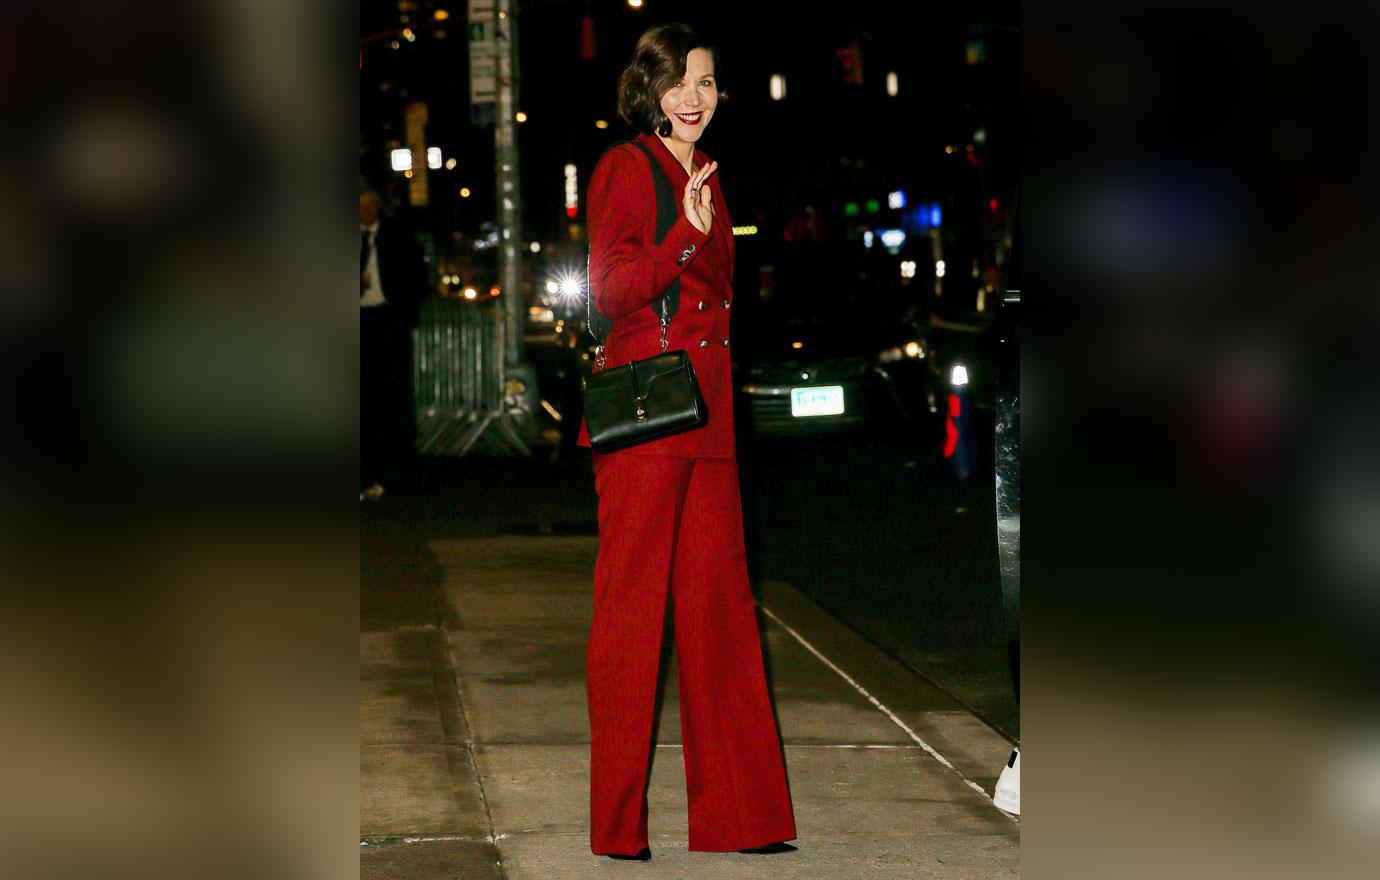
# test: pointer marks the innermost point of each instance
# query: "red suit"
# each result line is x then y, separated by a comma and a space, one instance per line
670, 521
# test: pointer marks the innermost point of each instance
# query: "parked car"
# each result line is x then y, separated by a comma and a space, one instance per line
825, 347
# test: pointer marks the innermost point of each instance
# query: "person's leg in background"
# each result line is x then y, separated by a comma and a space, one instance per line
640, 497
735, 772
388, 418
373, 400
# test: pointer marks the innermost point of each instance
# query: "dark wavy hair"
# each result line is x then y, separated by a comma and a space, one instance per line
657, 64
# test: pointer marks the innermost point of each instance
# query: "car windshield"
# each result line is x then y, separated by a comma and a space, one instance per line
818, 300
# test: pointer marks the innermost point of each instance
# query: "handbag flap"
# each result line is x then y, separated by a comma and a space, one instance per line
648, 372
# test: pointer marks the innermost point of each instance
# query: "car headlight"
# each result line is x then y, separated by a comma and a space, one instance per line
913, 350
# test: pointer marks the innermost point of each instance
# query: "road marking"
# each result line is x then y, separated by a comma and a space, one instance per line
855, 746
929, 750
395, 839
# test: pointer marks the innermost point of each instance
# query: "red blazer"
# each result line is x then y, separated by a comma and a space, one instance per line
627, 271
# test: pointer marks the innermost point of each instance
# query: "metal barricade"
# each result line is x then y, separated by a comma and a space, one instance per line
458, 376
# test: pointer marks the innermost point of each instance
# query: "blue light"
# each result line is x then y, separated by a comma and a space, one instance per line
916, 221
936, 217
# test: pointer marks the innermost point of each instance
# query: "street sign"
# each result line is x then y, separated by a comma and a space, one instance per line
483, 57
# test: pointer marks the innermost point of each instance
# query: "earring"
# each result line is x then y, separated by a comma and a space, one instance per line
664, 128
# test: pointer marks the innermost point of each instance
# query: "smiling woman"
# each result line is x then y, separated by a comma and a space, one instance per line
690, 103
670, 520
662, 75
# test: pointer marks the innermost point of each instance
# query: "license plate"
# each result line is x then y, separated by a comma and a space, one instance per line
824, 400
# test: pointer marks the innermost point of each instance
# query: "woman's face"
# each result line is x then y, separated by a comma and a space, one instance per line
690, 104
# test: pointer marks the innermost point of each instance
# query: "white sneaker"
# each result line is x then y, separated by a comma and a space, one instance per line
1008, 794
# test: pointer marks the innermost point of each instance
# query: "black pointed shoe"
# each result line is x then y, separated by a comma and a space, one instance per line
770, 849
643, 856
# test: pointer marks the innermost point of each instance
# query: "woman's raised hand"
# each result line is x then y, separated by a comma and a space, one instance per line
699, 199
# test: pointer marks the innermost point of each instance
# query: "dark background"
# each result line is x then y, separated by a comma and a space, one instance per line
178, 554
830, 142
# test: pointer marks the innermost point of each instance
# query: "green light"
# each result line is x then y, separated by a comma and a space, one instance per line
850, 209
873, 206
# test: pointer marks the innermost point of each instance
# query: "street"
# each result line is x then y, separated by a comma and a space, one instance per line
895, 547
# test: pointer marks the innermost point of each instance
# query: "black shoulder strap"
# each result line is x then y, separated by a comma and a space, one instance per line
666, 216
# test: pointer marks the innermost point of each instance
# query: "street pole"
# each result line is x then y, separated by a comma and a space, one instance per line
517, 424
506, 174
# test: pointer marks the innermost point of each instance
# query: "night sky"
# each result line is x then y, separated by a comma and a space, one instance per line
829, 142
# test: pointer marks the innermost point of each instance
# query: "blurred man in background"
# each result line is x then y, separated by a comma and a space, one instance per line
392, 283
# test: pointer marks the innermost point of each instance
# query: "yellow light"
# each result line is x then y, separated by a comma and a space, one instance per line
450, 164
948, 151
409, 36
407, 173
635, 4
601, 123
797, 345
394, 45
441, 15
745, 230
913, 349
494, 291
464, 192
521, 117
471, 293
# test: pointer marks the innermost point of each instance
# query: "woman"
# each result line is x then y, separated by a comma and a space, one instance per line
669, 513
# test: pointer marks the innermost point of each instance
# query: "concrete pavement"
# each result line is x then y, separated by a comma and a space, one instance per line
474, 735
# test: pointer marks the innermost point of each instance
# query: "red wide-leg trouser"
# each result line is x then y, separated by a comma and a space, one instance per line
677, 523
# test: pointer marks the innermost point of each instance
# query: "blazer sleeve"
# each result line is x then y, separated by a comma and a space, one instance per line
627, 269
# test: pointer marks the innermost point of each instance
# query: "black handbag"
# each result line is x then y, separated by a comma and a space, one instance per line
644, 400
650, 398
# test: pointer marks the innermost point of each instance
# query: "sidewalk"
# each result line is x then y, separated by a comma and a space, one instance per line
474, 735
